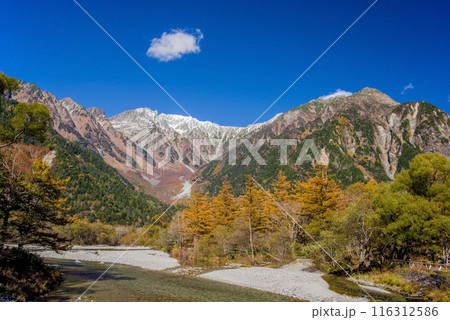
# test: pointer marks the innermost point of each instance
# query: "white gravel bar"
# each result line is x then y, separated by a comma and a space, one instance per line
291, 280
135, 256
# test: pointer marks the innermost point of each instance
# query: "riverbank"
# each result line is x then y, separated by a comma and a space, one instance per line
293, 280
124, 283
416, 282
24, 276
136, 256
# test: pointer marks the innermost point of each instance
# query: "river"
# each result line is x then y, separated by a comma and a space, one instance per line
144, 275
127, 283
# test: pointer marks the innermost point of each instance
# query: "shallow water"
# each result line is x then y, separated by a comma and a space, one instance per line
344, 286
126, 283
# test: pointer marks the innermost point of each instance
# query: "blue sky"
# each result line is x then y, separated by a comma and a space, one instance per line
251, 51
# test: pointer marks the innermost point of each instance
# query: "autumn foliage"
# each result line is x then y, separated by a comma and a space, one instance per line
364, 226
269, 222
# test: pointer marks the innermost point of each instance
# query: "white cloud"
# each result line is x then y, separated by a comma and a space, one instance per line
174, 44
337, 93
409, 86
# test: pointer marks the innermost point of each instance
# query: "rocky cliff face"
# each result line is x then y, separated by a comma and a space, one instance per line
109, 136
75, 123
91, 129
133, 122
144, 124
362, 136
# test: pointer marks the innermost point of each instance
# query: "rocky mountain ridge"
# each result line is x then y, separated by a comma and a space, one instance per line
361, 136
132, 122
109, 136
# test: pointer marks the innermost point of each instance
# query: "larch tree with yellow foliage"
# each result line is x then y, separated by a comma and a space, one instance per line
358, 189
224, 205
199, 219
319, 197
253, 210
41, 209
282, 194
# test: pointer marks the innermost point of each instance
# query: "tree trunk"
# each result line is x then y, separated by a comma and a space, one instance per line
195, 242
251, 237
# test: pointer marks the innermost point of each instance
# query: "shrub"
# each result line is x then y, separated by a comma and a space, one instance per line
24, 276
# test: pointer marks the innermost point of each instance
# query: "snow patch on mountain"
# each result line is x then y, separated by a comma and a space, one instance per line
132, 122
185, 191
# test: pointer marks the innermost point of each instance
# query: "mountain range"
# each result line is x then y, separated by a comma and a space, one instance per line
363, 136
360, 137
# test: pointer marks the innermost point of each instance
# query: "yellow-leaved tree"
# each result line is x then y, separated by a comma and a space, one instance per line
199, 219
318, 198
253, 210
224, 205
41, 209
285, 216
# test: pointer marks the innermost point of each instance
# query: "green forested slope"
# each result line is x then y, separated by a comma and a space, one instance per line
361, 137
95, 189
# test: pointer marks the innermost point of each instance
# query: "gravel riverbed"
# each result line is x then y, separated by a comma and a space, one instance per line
293, 280
137, 256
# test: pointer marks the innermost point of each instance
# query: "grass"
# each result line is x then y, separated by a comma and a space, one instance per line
416, 283
395, 281
345, 286
437, 294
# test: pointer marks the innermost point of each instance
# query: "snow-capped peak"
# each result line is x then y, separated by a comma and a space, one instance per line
134, 121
